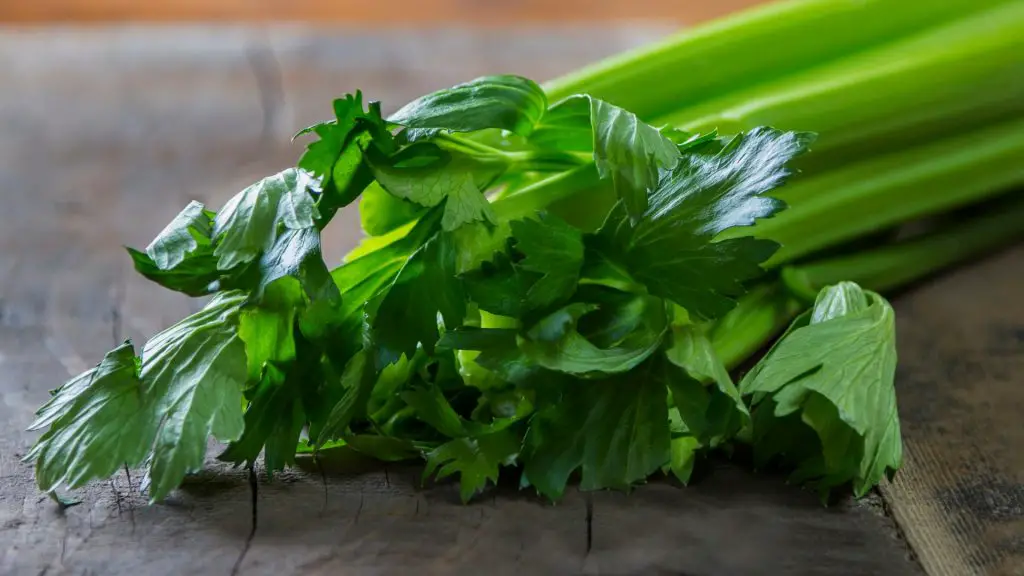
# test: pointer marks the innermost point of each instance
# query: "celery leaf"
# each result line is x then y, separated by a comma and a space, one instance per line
836, 368
507, 102
672, 248
97, 423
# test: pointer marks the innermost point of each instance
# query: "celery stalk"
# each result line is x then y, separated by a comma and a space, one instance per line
892, 266
751, 48
956, 74
871, 195
767, 309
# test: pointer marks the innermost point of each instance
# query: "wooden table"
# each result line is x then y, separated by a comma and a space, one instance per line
107, 133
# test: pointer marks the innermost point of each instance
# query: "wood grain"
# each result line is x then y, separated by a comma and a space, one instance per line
392, 12
960, 497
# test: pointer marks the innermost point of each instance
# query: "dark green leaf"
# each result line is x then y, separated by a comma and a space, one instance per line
616, 430
195, 276
498, 287
671, 248
296, 253
406, 314
382, 448
470, 338
321, 155
551, 248
556, 343
475, 460
274, 420
504, 102
432, 407
357, 382
713, 414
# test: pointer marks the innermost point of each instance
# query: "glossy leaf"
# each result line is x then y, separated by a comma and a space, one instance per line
508, 103
672, 249
248, 224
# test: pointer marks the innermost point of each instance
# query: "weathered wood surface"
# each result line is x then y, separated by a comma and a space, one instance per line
105, 136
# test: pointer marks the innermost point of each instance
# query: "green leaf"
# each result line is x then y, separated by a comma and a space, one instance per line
556, 343
381, 212
428, 175
475, 460
626, 150
321, 155
365, 277
357, 380
195, 276
296, 253
551, 248
273, 423
181, 257
471, 338
181, 236
683, 456
566, 126
506, 102
406, 314
268, 330
433, 408
97, 423
192, 375
844, 351
616, 430
672, 248
479, 243
498, 287
712, 414
709, 415
336, 158
248, 224
383, 448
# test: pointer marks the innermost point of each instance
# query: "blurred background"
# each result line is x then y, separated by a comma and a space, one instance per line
471, 12
117, 113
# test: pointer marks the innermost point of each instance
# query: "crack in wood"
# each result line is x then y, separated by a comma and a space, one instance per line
590, 522
254, 490
131, 501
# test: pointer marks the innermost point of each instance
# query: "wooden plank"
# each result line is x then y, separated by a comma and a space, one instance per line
393, 12
960, 496
148, 119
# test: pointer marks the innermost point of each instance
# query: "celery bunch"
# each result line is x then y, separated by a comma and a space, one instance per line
558, 281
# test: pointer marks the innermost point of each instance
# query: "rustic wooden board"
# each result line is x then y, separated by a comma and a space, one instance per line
107, 134
960, 496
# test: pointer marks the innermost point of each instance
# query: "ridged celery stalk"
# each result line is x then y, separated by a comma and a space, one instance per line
768, 308
754, 47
